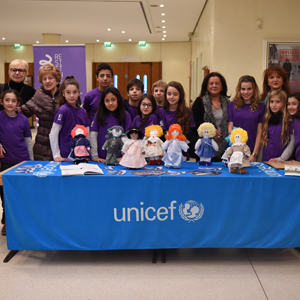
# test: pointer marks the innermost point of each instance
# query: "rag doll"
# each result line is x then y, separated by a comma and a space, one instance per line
174, 145
206, 146
113, 144
153, 145
80, 145
133, 149
238, 153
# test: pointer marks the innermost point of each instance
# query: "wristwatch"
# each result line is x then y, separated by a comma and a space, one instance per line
254, 155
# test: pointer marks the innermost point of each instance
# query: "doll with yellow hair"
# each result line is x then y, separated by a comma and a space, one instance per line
174, 145
153, 145
206, 146
239, 152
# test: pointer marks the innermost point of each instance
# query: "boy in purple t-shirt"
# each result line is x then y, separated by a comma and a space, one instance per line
104, 76
158, 91
135, 90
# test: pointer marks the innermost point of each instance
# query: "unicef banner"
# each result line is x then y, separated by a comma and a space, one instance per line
69, 59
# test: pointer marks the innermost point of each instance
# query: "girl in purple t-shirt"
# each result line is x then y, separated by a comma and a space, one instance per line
15, 137
293, 107
146, 113
66, 118
246, 111
277, 132
110, 112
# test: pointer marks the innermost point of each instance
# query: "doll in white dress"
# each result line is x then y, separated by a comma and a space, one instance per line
238, 153
174, 145
153, 145
133, 157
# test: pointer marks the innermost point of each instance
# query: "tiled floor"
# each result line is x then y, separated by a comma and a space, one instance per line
188, 274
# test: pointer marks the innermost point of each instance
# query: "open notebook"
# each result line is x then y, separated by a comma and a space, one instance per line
80, 169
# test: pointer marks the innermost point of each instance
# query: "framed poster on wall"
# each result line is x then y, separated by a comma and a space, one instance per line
287, 55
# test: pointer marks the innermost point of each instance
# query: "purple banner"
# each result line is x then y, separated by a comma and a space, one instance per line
69, 59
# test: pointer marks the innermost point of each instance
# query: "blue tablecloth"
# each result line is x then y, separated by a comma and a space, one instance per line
45, 211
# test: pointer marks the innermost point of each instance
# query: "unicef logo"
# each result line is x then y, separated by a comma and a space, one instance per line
191, 211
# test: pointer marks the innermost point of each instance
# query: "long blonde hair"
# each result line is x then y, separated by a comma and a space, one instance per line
284, 137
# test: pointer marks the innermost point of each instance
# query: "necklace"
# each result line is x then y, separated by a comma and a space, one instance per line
19, 92
216, 107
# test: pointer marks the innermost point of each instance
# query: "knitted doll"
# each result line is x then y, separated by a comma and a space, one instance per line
80, 145
239, 152
113, 144
153, 145
174, 145
206, 147
133, 148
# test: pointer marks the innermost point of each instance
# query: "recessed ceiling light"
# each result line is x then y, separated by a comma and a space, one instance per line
164, 31
163, 14
161, 5
163, 21
123, 31
164, 35
164, 27
108, 29
129, 40
67, 41
97, 41
163, 39
37, 42
3, 38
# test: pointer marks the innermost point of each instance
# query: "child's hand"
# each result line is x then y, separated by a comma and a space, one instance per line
58, 158
273, 159
2, 151
252, 158
98, 160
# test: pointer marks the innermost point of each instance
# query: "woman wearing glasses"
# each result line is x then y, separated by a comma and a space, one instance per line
18, 69
246, 111
44, 104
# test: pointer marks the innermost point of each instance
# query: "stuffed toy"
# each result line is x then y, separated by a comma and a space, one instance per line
174, 145
153, 145
206, 147
239, 152
80, 145
132, 150
113, 144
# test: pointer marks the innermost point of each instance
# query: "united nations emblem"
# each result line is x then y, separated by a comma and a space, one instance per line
191, 211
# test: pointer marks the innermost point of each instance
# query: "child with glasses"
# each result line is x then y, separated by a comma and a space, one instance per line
146, 113
246, 111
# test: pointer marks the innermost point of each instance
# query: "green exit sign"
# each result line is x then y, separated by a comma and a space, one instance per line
142, 44
17, 46
107, 44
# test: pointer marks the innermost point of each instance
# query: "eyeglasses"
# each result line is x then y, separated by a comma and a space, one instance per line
48, 78
21, 71
146, 105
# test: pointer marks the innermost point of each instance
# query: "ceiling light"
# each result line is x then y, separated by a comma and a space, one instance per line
108, 29
97, 41
129, 40
164, 32
123, 31
163, 39
164, 35
67, 41
164, 27
107, 44
37, 42
161, 5
163, 14
163, 21
3, 38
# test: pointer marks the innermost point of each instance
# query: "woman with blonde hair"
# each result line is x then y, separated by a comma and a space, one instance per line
44, 104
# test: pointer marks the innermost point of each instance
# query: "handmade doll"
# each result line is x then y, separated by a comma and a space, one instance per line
206, 147
133, 148
113, 144
80, 145
239, 152
174, 145
153, 145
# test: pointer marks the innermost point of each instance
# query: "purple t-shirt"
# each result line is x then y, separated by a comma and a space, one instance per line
102, 130
247, 120
68, 117
152, 120
274, 147
167, 118
297, 138
13, 131
91, 102
132, 111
